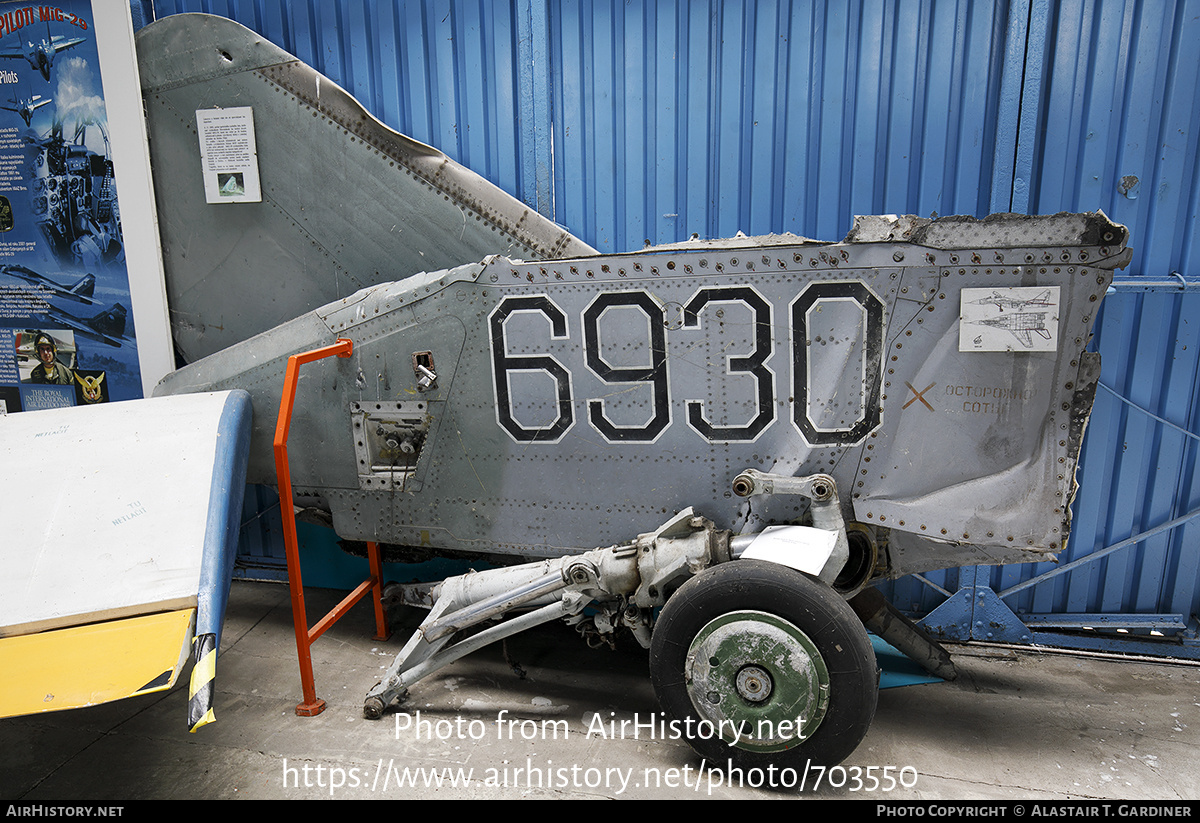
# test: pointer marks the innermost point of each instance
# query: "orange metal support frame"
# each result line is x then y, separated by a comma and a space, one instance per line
305, 636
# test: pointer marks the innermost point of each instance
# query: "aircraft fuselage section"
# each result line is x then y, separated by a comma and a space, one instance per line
576, 402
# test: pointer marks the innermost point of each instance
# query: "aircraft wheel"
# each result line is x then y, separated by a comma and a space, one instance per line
373, 708
761, 665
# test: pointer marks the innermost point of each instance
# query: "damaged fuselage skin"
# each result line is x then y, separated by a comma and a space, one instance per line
712, 446
576, 402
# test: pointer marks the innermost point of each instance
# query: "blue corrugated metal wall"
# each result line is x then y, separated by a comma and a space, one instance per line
1109, 119
631, 121
771, 116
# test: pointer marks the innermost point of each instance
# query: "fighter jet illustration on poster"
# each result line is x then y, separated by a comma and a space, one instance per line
40, 54
1023, 326
26, 106
1002, 301
80, 291
107, 326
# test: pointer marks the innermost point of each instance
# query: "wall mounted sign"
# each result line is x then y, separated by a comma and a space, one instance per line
83, 314
228, 155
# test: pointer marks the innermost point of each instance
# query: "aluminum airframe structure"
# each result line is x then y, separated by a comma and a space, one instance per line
750, 430
578, 397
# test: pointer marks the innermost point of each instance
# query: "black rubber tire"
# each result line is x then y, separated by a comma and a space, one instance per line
808, 605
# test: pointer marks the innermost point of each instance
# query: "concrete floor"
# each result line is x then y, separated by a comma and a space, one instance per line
1014, 725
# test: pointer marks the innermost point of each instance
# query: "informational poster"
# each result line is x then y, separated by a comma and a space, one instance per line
228, 155
82, 306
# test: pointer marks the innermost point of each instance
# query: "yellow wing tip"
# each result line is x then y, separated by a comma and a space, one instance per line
77, 666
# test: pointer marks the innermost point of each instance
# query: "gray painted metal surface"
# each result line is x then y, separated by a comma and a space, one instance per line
401, 207
578, 401
1026, 106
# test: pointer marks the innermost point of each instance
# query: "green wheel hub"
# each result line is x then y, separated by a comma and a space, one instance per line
758, 679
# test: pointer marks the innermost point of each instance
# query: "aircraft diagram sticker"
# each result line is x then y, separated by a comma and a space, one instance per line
1021, 318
